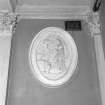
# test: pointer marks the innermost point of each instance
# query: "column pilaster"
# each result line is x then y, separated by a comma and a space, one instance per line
94, 25
7, 28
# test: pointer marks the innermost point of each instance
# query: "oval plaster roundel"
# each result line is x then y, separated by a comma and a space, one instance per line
53, 56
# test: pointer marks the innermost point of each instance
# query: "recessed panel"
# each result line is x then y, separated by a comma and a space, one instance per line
25, 87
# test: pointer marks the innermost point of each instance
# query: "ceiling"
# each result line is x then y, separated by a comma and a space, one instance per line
15, 3
7, 4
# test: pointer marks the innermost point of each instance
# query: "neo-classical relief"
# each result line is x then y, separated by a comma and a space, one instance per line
50, 57
53, 56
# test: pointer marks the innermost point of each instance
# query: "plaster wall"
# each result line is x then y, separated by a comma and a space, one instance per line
24, 89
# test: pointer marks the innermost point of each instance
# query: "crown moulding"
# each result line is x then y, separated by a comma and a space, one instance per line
52, 11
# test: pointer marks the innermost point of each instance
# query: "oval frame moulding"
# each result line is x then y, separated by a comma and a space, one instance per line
53, 56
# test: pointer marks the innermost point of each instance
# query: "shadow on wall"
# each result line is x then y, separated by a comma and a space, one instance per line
102, 16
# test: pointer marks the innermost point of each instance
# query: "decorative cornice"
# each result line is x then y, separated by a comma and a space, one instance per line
52, 11
7, 22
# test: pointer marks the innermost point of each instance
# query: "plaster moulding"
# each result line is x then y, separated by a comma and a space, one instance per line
52, 11
7, 23
53, 56
94, 24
